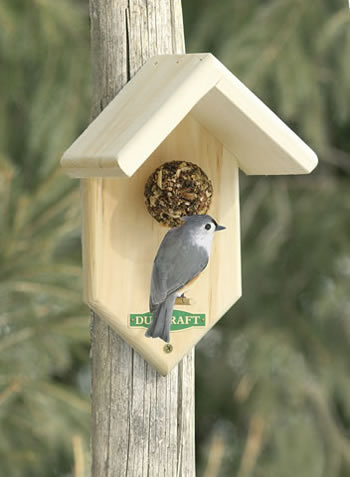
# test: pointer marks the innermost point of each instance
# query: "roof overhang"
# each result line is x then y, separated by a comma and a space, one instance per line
161, 94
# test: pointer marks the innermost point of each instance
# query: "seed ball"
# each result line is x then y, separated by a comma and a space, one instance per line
175, 189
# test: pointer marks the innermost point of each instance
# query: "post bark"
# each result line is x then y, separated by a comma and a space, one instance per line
142, 423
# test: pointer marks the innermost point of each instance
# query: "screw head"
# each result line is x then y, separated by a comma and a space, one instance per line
168, 348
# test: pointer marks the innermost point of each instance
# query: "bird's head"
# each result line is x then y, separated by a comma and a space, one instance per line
202, 224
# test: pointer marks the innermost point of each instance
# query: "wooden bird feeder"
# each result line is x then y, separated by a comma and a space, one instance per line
187, 108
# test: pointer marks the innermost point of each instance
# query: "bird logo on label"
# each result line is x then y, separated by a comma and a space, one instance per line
182, 255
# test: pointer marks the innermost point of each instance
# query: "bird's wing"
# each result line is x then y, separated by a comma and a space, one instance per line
177, 262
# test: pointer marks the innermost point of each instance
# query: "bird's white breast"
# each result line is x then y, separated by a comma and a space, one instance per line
202, 240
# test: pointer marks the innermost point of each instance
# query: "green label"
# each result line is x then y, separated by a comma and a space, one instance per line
181, 320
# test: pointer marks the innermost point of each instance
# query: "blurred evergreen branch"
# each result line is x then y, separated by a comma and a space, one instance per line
293, 54
282, 353
44, 52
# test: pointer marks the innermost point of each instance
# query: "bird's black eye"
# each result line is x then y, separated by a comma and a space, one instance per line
208, 227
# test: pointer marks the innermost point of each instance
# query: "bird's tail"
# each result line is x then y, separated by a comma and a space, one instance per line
161, 321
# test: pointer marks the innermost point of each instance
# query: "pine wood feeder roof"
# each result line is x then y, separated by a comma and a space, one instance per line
165, 90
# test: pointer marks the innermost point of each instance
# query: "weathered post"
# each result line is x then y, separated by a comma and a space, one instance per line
142, 423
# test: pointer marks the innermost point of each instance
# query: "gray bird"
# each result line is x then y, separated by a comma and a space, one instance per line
183, 254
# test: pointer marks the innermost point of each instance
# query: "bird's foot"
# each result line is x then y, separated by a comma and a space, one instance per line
182, 300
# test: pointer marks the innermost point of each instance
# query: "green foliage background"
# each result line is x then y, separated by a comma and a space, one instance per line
273, 389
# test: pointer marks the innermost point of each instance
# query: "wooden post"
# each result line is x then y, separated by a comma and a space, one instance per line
142, 423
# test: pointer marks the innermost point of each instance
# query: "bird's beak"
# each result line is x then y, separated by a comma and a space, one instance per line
219, 227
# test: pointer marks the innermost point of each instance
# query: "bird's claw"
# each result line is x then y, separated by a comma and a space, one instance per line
183, 298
